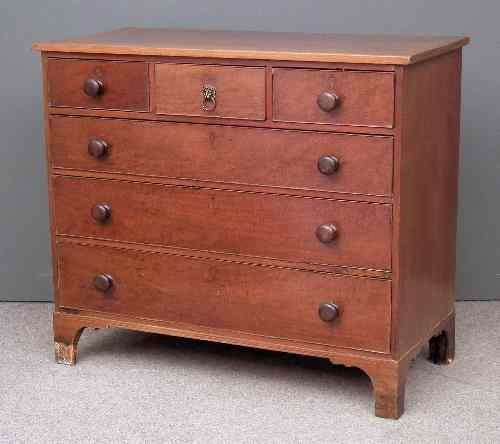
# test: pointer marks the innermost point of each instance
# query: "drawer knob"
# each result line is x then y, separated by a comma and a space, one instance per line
103, 282
328, 164
326, 233
98, 148
208, 94
328, 312
101, 213
93, 87
327, 101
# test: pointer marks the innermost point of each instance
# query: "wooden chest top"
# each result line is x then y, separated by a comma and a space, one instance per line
338, 48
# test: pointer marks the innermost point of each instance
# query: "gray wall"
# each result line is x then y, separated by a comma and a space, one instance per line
24, 240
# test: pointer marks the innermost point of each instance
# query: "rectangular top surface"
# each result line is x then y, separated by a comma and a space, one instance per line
329, 48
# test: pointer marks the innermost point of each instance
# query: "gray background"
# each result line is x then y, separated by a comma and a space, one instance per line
24, 236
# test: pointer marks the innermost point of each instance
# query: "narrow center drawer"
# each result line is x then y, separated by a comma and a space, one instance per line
253, 156
210, 91
226, 296
98, 84
319, 231
355, 98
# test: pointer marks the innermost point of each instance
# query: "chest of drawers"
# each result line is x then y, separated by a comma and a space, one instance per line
289, 192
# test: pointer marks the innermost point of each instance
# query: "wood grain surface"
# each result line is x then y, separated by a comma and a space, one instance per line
426, 206
240, 91
230, 155
213, 215
254, 224
365, 98
259, 300
382, 49
125, 84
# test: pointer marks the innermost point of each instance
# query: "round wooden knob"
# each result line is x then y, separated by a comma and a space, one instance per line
328, 312
327, 101
103, 282
97, 148
93, 87
101, 213
328, 164
326, 233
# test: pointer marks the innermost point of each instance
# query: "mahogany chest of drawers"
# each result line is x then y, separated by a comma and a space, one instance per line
281, 191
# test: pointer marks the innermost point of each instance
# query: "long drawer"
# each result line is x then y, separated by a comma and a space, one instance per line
252, 156
320, 231
264, 301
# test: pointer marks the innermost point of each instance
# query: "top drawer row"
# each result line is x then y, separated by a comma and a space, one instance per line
326, 96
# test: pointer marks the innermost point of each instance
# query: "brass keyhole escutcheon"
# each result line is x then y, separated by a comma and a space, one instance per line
208, 94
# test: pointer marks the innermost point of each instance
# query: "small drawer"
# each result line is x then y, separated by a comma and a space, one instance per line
316, 231
98, 84
252, 156
227, 296
355, 98
210, 91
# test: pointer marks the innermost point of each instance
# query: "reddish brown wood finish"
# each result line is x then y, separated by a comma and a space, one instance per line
223, 239
48, 159
250, 260
344, 48
125, 84
148, 116
281, 227
297, 192
232, 155
240, 90
260, 300
365, 98
426, 206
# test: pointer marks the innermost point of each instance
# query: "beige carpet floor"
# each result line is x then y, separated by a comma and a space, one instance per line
133, 387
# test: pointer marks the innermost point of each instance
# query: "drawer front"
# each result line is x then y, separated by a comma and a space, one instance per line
354, 98
210, 91
252, 156
110, 85
265, 225
266, 301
